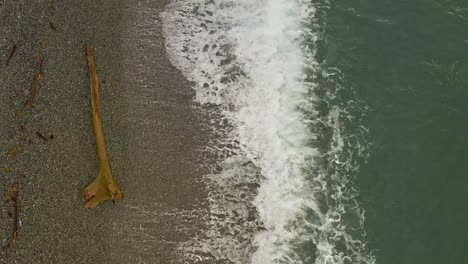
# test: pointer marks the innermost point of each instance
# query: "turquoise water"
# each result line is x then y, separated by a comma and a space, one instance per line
408, 62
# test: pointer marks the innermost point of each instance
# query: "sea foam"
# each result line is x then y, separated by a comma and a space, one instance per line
256, 61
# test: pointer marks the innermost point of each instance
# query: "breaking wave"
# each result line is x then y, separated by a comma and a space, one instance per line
290, 140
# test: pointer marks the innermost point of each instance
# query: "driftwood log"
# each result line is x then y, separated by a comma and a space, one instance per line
104, 187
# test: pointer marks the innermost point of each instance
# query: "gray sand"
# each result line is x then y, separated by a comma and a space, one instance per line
155, 135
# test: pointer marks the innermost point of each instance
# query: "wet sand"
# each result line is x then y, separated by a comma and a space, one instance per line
155, 134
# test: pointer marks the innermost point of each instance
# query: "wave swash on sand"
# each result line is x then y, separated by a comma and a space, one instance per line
288, 147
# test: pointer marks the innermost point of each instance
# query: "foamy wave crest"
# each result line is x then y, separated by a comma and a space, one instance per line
271, 197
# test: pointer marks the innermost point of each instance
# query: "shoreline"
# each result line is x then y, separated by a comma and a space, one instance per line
155, 133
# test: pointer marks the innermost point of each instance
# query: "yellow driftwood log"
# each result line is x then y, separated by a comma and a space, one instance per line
104, 186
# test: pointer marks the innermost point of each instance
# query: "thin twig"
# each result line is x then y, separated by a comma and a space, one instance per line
12, 53
15, 198
37, 77
39, 134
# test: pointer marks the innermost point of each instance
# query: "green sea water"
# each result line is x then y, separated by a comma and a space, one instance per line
408, 62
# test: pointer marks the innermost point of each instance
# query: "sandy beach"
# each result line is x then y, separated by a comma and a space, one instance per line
155, 133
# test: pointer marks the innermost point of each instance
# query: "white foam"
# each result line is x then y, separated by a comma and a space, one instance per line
248, 57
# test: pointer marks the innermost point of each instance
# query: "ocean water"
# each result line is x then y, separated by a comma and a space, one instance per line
409, 63
341, 132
